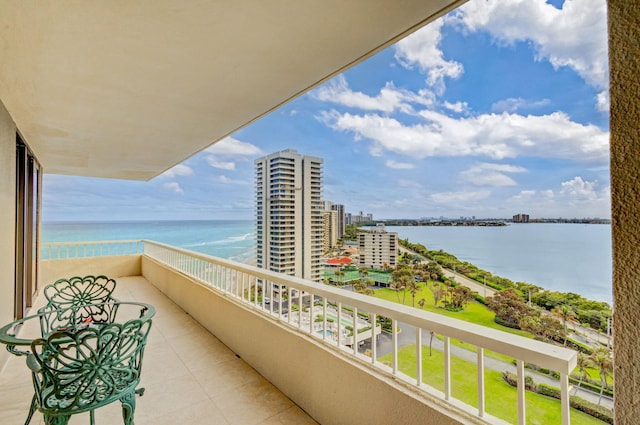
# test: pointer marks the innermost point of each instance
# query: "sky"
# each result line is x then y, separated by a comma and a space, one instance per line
500, 107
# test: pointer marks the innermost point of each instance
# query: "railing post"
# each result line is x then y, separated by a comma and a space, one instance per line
300, 308
374, 343
522, 418
311, 314
355, 331
564, 399
447, 368
480, 381
418, 356
324, 317
394, 340
339, 324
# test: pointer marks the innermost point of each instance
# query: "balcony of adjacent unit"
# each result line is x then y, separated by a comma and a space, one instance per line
224, 351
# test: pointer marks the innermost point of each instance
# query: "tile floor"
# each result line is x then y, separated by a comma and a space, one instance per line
190, 377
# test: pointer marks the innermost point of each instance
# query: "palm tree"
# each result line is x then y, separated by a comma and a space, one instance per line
413, 288
601, 359
432, 334
339, 274
397, 286
584, 362
421, 302
566, 314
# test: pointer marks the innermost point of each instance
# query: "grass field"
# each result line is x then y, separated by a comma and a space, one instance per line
501, 398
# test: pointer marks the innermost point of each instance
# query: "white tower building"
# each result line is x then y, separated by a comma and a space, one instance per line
289, 222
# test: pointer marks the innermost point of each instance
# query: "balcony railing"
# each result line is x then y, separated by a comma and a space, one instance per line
334, 316
62, 250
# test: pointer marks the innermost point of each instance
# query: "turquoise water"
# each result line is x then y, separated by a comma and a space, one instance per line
561, 257
232, 239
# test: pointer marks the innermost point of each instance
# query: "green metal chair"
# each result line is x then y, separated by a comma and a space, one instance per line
73, 304
81, 370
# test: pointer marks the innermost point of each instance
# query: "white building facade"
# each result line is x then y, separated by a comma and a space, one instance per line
289, 220
378, 248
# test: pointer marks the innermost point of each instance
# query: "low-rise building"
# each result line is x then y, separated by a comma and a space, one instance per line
377, 248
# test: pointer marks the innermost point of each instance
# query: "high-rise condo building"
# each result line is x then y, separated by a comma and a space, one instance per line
339, 208
289, 221
378, 248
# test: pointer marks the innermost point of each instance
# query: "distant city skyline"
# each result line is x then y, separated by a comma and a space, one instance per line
488, 112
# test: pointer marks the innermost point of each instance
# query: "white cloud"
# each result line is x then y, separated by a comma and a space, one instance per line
458, 107
399, 165
178, 170
487, 135
573, 198
422, 48
463, 196
389, 99
602, 101
231, 146
173, 186
514, 104
574, 36
226, 180
216, 163
579, 189
487, 174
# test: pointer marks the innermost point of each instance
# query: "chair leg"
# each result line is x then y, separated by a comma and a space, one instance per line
32, 410
128, 407
56, 420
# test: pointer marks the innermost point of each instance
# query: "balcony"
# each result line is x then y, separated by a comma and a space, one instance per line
190, 376
287, 353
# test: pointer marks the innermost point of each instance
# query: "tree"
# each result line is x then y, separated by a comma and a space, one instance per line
403, 276
601, 359
362, 286
566, 314
434, 271
421, 302
397, 286
339, 274
552, 329
509, 307
584, 362
438, 293
413, 287
432, 334
459, 296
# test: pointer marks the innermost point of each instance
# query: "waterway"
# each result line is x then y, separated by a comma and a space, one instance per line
557, 256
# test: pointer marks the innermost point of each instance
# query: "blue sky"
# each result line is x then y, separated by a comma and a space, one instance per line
498, 108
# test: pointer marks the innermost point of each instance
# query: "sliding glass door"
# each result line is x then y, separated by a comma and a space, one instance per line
28, 191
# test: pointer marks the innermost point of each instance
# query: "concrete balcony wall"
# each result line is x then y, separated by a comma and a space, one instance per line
112, 266
332, 388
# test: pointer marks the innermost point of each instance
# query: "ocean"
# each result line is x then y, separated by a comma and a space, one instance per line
560, 257
232, 239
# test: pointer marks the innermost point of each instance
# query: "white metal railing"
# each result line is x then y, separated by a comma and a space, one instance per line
62, 250
334, 316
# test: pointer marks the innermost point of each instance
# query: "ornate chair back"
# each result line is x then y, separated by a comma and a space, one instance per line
82, 370
78, 301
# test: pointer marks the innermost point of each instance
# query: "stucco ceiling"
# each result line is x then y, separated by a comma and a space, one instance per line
128, 89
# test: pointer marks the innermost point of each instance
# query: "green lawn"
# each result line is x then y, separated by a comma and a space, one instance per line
501, 398
474, 312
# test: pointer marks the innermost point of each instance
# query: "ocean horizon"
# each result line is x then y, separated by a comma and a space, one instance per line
557, 256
